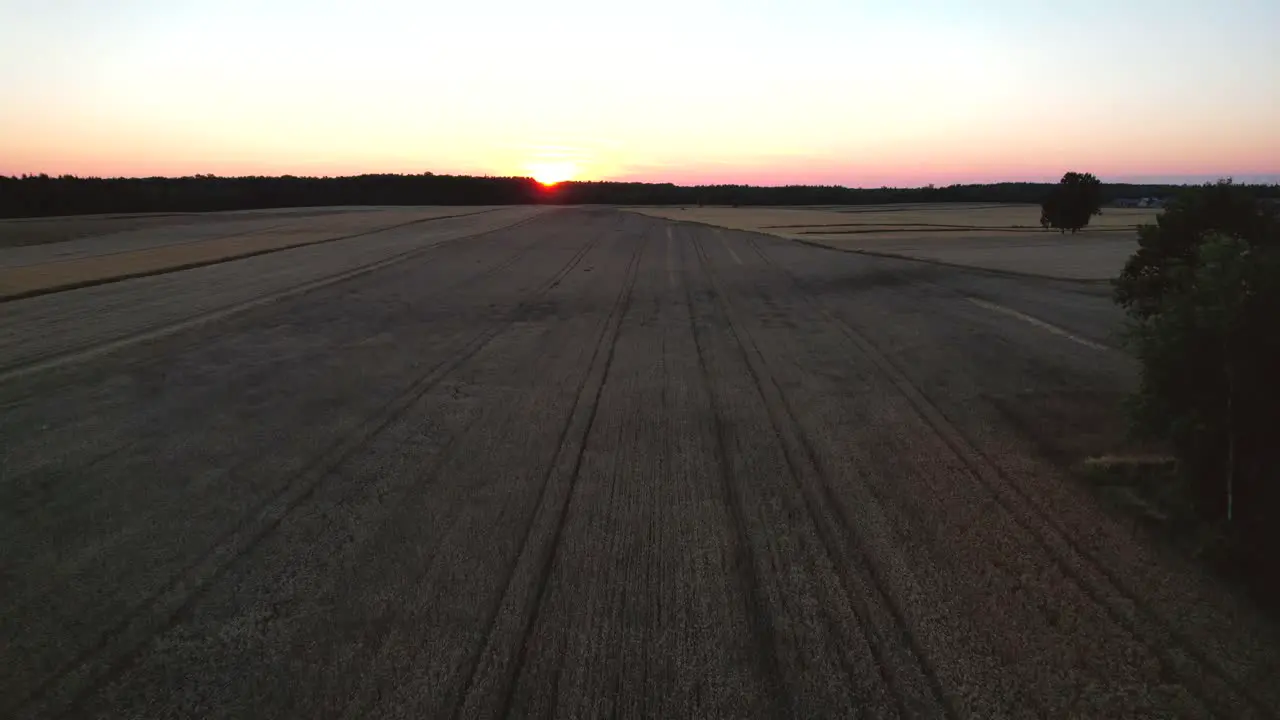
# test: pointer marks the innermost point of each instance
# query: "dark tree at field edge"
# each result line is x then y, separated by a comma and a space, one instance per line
1072, 202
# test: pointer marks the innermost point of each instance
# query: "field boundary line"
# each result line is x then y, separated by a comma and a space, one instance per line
725, 241
1037, 322
95, 282
1022, 510
92, 350
874, 253
799, 454
671, 270
945, 263
117, 216
60, 261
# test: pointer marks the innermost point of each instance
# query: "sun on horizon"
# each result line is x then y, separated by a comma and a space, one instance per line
553, 173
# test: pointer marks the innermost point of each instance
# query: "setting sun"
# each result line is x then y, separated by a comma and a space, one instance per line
553, 172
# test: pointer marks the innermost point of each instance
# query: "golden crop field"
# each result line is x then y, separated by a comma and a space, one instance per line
997, 237
130, 249
915, 219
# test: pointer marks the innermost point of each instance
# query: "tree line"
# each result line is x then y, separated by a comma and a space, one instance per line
42, 195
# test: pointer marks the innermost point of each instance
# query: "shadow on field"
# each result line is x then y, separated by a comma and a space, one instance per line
870, 279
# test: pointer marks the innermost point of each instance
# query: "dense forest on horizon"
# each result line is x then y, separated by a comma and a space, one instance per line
42, 195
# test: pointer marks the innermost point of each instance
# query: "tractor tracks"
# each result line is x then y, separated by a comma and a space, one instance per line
1179, 656
79, 353
904, 670
490, 270
123, 644
764, 640
493, 672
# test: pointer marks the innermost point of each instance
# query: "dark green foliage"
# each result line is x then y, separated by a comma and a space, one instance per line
1203, 291
1072, 202
1175, 238
41, 195
37, 195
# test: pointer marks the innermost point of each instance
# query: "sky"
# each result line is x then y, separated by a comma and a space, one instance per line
847, 92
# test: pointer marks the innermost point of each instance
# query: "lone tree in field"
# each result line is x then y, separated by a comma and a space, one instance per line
1075, 199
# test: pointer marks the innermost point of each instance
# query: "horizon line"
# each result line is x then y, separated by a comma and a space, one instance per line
1251, 179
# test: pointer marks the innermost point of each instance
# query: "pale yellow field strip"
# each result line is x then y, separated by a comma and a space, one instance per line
49, 331
1091, 258
108, 236
105, 266
788, 221
1005, 238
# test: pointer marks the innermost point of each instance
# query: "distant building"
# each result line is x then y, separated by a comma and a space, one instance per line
1146, 202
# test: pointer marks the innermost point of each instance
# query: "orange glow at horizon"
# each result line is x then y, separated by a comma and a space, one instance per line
257, 89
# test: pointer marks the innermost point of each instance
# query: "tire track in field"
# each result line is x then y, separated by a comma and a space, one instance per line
927, 696
135, 440
366, 700
177, 596
145, 248
489, 660
763, 638
373, 642
1047, 532
79, 353
77, 285
246, 462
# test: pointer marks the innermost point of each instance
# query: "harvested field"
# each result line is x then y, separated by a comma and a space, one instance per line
215, 237
586, 463
21, 232
996, 237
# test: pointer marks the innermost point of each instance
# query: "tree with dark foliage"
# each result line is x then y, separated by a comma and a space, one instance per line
1072, 202
1203, 291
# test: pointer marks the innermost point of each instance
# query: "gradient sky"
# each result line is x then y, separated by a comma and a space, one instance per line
761, 91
